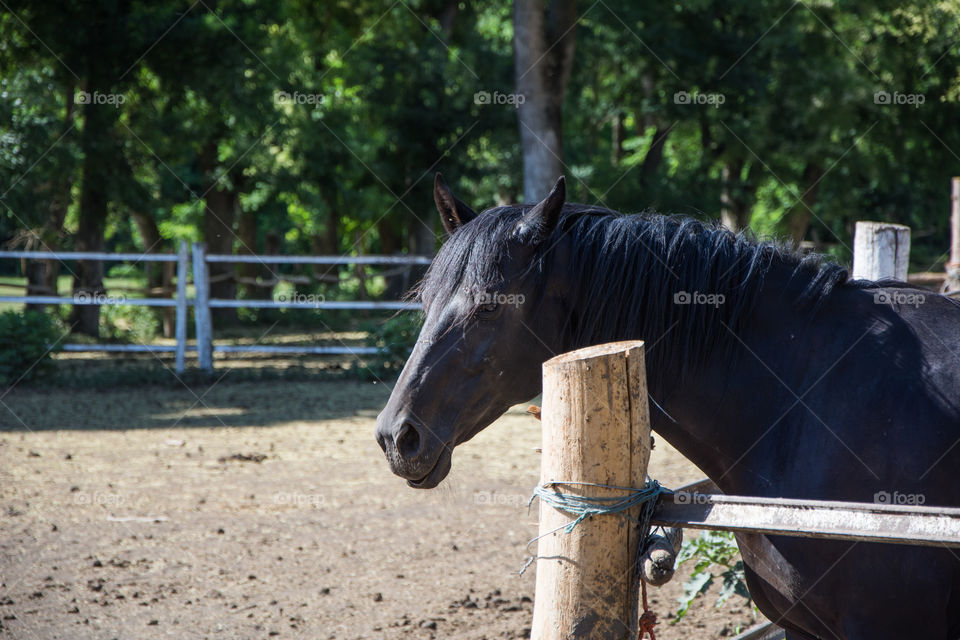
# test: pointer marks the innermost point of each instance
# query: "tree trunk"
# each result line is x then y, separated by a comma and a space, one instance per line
250, 271
735, 197
651, 161
99, 149
219, 215
328, 243
798, 217
543, 41
43, 275
159, 274
152, 243
616, 139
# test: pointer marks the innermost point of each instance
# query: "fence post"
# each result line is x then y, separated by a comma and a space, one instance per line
201, 308
881, 251
596, 428
952, 283
181, 318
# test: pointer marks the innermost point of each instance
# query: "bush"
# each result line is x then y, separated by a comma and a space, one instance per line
128, 323
25, 345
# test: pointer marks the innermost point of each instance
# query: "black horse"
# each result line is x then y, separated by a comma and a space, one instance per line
773, 372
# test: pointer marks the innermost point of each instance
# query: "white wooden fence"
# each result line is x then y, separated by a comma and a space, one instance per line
202, 303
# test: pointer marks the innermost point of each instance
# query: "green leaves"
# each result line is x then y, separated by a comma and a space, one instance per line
712, 550
26, 343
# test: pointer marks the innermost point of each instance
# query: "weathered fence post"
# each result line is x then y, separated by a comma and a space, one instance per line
881, 251
181, 321
596, 429
201, 308
952, 283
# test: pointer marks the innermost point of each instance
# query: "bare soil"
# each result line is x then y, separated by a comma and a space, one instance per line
265, 509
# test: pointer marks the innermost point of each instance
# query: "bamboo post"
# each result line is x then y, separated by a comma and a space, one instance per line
881, 251
596, 428
953, 267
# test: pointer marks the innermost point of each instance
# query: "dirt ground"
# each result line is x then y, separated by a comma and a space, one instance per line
265, 509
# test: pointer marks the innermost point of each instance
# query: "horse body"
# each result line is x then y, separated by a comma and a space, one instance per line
856, 406
789, 382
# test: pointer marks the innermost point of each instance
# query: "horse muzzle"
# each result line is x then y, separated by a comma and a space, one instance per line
413, 451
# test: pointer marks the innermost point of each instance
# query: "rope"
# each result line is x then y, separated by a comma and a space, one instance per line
585, 507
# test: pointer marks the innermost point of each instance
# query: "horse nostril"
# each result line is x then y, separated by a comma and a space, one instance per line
382, 441
407, 440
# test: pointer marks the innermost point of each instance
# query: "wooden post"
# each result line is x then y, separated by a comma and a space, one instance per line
952, 283
881, 251
596, 428
201, 308
181, 322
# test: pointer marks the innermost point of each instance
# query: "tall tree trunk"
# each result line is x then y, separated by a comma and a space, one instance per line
544, 39
218, 220
736, 197
651, 161
328, 243
99, 148
219, 216
43, 275
798, 217
616, 139
250, 271
152, 243
159, 274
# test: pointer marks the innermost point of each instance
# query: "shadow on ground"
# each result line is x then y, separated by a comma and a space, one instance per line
222, 403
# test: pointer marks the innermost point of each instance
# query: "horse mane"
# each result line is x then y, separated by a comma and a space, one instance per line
625, 272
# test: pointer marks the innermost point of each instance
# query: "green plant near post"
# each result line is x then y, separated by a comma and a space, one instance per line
712, 550
26, 341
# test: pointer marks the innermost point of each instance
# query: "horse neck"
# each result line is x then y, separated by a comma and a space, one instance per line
717, 414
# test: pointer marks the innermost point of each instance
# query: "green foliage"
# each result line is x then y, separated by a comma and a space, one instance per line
25, 345
712, 550
323, 124
129, 323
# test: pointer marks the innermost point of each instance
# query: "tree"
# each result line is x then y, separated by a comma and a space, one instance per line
544, 39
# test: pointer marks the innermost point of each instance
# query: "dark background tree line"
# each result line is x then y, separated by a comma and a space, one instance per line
316, 127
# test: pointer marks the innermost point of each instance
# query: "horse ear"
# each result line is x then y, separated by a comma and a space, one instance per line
540, 221
453, 213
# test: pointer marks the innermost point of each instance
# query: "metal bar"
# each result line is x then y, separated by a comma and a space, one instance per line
219, 257
90, 255
704, 485
925, 526
219, 303
201, 308
763, 631
118, 348
296, 350
181, 317
102, 301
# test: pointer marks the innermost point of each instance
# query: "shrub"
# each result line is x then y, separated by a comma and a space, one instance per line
128, 323
25, 345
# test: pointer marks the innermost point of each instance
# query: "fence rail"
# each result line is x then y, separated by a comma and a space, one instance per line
202, 303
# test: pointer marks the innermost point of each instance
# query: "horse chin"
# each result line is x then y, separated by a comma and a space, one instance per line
436, 474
